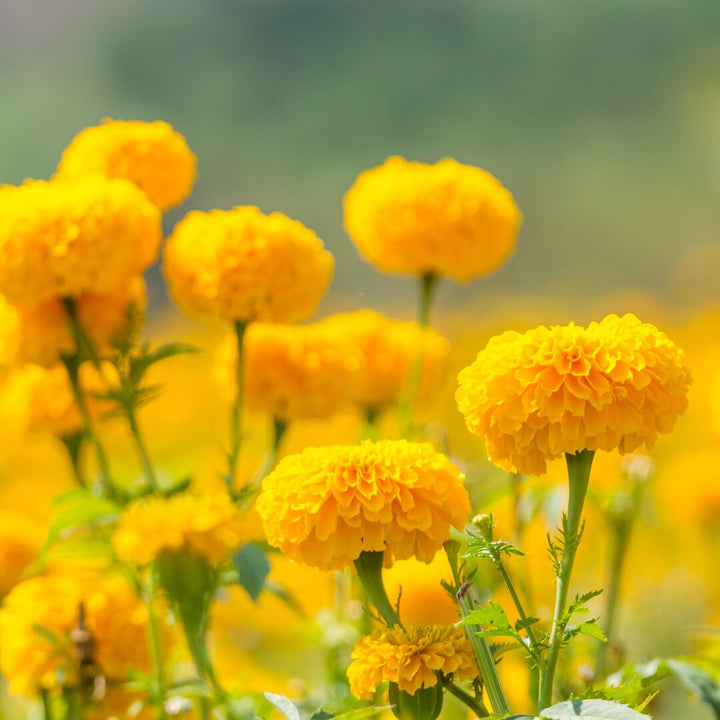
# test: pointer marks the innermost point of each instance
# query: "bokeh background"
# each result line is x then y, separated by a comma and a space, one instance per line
603, 118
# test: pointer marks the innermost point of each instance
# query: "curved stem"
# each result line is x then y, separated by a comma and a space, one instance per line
369, 569
236, 417
143, 454
579, 465
475, 705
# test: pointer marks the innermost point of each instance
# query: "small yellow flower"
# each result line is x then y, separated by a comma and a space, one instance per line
387, 350
292, 372
443, 219
204, 525
326, 505
618, 384
64, 238
40, 334
20, 539
114, 615
410, 659
242, 265
152, 155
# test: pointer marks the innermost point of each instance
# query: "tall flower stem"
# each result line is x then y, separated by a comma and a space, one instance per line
579, 465
369, 569
428, 285
475, 705
156, 647
236, 418
148, 469
279, 428
467, 601
46, 704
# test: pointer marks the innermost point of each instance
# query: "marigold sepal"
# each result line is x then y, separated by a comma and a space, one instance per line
423, 704
369, 566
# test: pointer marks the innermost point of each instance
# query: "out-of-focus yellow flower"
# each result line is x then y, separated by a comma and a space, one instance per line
534, 396
411, 659
64, 238
41, 333
114, 615
293, 372
150, 154
387, 350
324, 506
443, 219
243, 265
204, 525
118, 704
20, 539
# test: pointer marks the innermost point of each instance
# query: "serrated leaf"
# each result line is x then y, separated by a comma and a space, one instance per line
592, 629
591, 710
169, 350
284, 705
698, 681
251, 562
491, 615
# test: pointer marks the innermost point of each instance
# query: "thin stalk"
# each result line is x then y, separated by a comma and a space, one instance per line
475, 705
279, 429
236, 417
73, 444
467, 600
369, 569
74, 705
141, 448
84, 347
156, 648
370, 429
46, 704
579, 465
517, 602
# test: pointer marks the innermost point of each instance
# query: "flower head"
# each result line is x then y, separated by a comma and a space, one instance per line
242, 265
203, 525
114, 615
41, 333
152, 155
20, 540
326, 505
387, 351
444, 219
64, 238
410, 659
618, 384
293, 372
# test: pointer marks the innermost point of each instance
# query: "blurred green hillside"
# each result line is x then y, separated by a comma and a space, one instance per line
603, 118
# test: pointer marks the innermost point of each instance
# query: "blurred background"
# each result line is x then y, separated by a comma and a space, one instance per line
602, 118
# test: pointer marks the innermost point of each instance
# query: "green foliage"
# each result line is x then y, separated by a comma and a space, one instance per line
253, 566
591, 710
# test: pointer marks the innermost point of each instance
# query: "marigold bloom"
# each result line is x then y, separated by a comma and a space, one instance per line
388, 349
205, 525
410, 659
20, 539
293, 372
151, 155
40, 334
444, 219
114, 615
618, 384
64, 238
243, 265
326, 505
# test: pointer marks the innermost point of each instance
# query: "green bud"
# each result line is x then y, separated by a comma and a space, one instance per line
484, 523
424, 704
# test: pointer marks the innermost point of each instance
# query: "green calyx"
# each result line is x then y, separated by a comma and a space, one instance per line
423, 704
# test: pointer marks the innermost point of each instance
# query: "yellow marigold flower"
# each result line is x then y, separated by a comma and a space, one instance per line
243, 265
152, 155
293, 372
388, 349
443, 219
114, 615
326, 505
410, 659
20, 539
64, 238
40, 334
534, 396
205, 525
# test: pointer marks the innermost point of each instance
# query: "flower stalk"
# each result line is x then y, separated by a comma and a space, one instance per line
236, 418
369, 569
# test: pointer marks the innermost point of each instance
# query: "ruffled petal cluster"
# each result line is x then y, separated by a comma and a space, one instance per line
291, 371
243, 265
446, 219
65, 238
151, 155
20, 539
388, 350
410, 659
41, 333
114, 615
326, 505
205, 525
616, 384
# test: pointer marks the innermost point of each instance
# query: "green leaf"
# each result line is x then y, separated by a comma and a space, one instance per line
698, 681
251, 562
284, 705
321, 715
80, 509
488, 615
591, 710
592, 629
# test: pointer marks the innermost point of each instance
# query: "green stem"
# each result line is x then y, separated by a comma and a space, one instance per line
475, 705
579, 465
428, 286
236, 417
46, 704
467, 601
518, 604
143, 454
279, 429
73, 445
74, 705
369, 569
156, 648
370, 429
